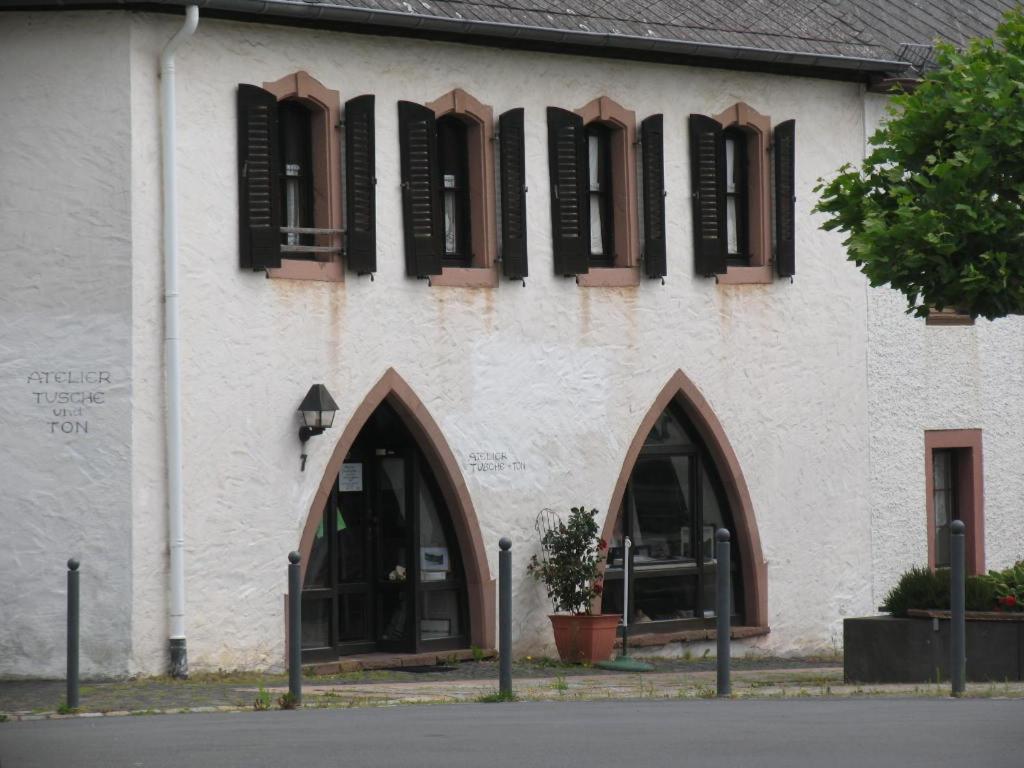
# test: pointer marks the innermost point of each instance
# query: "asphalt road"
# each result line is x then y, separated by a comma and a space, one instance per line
649, 734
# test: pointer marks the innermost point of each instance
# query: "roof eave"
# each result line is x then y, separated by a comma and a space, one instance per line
581, 39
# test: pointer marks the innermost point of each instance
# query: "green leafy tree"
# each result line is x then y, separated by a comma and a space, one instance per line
936, 210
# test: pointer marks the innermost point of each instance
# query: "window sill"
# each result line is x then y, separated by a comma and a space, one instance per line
466, 277
761, 275
305, 269
947, 317
610, 277
655, 639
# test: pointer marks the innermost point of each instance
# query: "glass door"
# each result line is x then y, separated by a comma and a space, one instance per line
440, 583
395, 568
338, 591
384, 572
353, 570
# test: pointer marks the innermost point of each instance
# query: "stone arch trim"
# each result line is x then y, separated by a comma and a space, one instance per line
682, 391
480, 587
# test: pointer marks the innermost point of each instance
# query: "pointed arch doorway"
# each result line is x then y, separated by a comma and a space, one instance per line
681, 481
392, 554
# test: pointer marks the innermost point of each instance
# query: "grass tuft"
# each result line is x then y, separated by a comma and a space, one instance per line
495, 697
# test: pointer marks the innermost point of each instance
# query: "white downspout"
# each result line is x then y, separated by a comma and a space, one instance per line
172, 349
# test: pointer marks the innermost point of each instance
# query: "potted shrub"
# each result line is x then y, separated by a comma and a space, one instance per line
569, 566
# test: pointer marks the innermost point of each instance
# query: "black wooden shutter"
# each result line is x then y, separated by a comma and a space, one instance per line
707, 180
652, 142
570, 212
360, 186
259, 184
783, 151
421, 193
512, 146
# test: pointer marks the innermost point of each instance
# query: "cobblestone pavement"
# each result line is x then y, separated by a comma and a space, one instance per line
472, 681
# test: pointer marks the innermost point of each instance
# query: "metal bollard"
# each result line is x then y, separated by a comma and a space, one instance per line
72, 697
957, 624
294, 628
723, 609
505, 616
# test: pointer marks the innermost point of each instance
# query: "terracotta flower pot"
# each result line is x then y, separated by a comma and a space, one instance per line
584, 638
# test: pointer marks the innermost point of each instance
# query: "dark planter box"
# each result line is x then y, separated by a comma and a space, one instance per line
883, 649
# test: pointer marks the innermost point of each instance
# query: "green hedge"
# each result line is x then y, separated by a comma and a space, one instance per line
921, 588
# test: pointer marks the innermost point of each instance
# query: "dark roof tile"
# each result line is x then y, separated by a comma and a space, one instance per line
871, 31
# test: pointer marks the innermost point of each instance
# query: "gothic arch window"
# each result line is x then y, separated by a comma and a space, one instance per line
679, 481
673, 503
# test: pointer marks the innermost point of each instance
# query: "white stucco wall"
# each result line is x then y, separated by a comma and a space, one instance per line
939, 377
65, 320
555, 375
822, 386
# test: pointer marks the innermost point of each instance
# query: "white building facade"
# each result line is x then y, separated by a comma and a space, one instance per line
802, 412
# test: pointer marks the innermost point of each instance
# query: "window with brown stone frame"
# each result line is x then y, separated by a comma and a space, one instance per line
593, 170
734, 158
465, 127
948, 316
954, 490
747, 135
310, 181
612, 197
447, 151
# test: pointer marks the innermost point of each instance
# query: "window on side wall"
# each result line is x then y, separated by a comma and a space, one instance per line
948, 316
954, 491
290, 180
450, 211
734, 157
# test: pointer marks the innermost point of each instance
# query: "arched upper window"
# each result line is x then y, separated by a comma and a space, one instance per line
611, 172
448, 183
592, 166
453, 167
289, 180
310, 151
731, 157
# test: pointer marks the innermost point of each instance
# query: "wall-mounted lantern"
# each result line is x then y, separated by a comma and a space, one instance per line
317, 409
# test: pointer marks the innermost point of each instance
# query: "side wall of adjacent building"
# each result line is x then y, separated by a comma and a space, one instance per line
925, 377
65, 334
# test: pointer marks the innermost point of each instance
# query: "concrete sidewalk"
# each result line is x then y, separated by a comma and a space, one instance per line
473, 681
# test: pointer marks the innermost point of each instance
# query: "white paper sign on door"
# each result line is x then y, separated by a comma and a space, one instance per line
351, 477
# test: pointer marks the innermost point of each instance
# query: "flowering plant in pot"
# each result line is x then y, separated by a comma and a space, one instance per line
569, 565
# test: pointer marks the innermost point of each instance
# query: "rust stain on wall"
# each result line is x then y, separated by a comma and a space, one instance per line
585, 318
335, 321
488, 309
